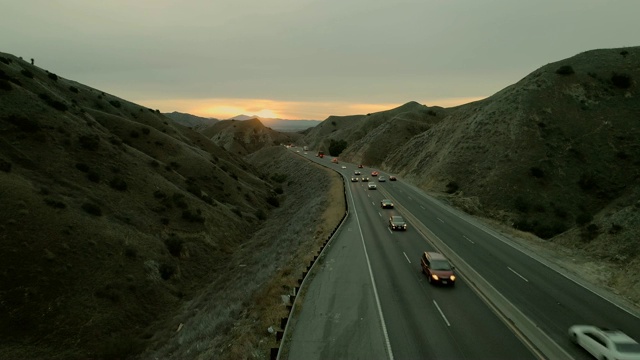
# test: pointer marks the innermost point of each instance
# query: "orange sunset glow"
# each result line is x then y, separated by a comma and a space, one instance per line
292, 110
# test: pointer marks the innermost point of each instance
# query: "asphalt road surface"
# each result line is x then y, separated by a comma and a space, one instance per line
368, 299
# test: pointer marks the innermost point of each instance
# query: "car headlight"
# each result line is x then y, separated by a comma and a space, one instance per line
453, 278
435, 277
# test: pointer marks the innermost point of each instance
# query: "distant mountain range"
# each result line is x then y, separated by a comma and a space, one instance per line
283, 125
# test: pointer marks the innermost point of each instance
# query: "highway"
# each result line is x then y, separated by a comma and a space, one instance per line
369, 299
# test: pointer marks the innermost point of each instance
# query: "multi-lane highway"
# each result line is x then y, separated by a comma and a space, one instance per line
367, 297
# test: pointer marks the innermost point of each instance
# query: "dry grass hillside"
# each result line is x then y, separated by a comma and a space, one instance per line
115, 220
247, 136
556, 154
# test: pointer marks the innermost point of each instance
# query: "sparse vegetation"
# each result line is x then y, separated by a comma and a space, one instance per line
174, 244
118, 183
336, 147
536, 172
52, 76
622, 81
73, 89
565, 70
452, 187
273, 201
55, 203
5, 165
92, 209
90, 142
27, 73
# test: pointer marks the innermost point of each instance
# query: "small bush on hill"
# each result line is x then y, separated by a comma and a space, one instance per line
583, 218
5, 85
55, 203
521, 204
236, 211
261, 215
146, 130
115, 103
159, 194
82, 167
278, 190
93, 176
53, 76
23, 123
273, 201
118, 183
174, 245
452, 187
536, 172
614, 229
89, 142
92, 209
5, 165
622, 81
336, 147
565, 70
193, 216
27, 73
73, 89
279, 178
134, 134
5, 60
166, 271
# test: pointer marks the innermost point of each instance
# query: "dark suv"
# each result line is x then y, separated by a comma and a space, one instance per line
437, 268
397, 223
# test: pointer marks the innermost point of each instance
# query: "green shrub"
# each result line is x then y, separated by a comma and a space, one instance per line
53, 76
55, 203
5, 60
73, 89
115, 103
565, 70
82, 167
134, 134
5, 85
193, 216
146, 130
93, 176
118, 183
521, 204
167, 271
261, 215
92, 209
336, 147
536, 172
27, 73
614, 229
174, 245
179, 200
273, 201
90, 142
23, 123
278, 190
5, 165
622, 81
583, 218
237, 211
279, 178
452, 187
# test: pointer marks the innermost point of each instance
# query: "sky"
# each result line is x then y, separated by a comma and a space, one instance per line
307, 59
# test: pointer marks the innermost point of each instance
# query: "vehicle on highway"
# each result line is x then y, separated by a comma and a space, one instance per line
386, 204
374, 173
372, 186
382, 179
364, 179
356, 172
305, 153
396, 222
354, 179
344, 167
437, 268
360, 166
604, 343
392, 178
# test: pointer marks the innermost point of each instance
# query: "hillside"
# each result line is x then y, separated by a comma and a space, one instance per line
246, 136
555, 154
191, 121
115, 220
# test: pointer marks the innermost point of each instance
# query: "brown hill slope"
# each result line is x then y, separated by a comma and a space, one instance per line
245, 137
111, 218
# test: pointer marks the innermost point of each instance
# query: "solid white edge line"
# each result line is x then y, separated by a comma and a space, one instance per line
441, 313
405, 255
373, 283
515, 272
442, 221
471, 241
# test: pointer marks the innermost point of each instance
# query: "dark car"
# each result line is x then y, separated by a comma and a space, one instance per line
437, 268
392, 178
365, 179
386, 204
354, 179
356, 172
360, 166
397, 223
